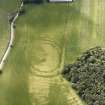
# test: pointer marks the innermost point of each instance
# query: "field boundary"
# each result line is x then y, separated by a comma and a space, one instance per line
11, 39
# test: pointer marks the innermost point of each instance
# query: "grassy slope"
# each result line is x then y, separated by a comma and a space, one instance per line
33, 63
5, 8
38, 49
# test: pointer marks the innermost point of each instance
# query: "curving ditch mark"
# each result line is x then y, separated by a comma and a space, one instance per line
42, 73
50, 61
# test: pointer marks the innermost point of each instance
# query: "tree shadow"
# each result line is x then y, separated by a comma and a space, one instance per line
32, 1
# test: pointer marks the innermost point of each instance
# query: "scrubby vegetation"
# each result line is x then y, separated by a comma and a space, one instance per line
22, 12
87, 76
11, 16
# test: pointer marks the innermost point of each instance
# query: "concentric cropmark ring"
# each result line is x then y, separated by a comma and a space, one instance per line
48, 68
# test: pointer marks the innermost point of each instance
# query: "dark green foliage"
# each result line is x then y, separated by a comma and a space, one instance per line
22, 11
32, 1
87, 75
0, 72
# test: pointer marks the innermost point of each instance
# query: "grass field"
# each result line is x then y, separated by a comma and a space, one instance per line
48, 36
6, 7
89, 29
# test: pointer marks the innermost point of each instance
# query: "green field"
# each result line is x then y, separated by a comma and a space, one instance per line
88, 30
48, 36
5, 8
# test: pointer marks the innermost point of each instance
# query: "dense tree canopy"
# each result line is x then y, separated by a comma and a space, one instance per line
87, 76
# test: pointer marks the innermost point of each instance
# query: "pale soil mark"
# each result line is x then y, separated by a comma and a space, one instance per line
99, 18
39, 86
38, 89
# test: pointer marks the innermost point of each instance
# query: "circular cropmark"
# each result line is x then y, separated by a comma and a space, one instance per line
50, 59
